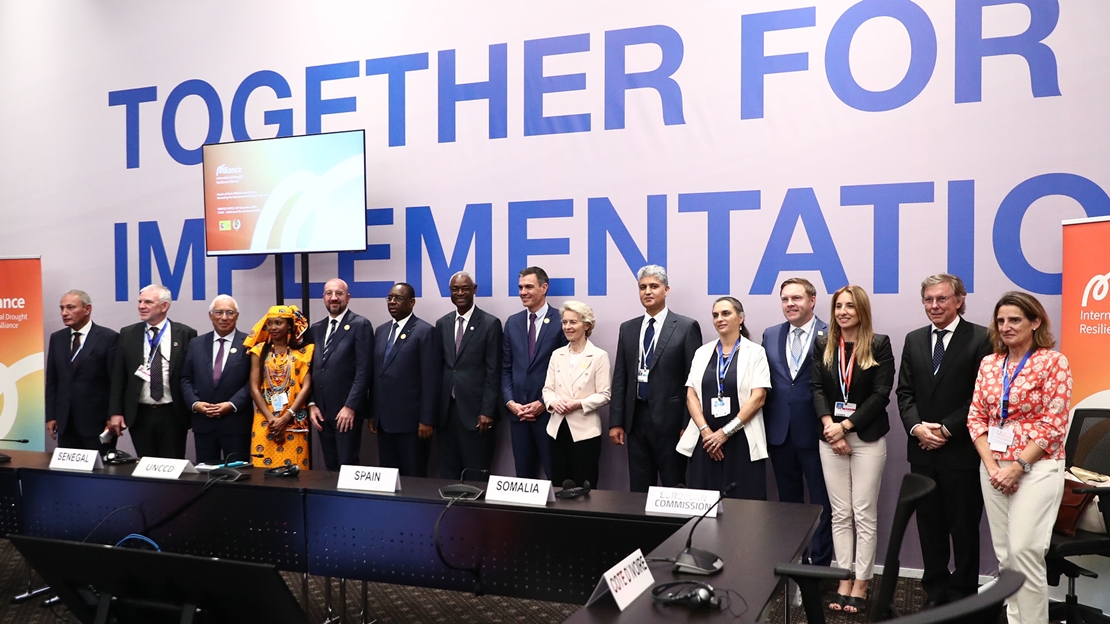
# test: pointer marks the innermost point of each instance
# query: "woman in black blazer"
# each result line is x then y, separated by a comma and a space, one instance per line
853, 374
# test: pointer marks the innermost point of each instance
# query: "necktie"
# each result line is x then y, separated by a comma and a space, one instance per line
75, 348
157, 387
531, 335
331, 334
389, 341
459, 335
938, 351
649, 351
796, 350
218, 367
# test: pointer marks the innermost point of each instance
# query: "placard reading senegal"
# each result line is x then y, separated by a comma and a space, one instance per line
22, 384
286, 195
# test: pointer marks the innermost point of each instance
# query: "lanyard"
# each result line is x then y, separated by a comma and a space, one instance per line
722, 368
805, 347
153, 344
1006, 379
651, 347
845, 370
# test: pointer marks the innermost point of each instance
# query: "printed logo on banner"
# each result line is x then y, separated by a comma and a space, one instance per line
1098, 287
225, 225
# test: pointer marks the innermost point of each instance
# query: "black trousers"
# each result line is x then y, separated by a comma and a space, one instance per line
341, 448
651, 455
572, 460
948, 524
462, 447
214, 446
156, 432
405, 452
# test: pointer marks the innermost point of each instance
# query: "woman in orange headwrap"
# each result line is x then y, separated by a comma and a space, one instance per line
280, 384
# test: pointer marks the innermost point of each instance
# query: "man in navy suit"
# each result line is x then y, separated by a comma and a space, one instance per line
406, 386
79, 376
470, 394
793, 430
530, 337
654, 351
341, 373
215, 386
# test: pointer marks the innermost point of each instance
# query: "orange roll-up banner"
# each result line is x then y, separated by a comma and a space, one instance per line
22, 392
1085, 310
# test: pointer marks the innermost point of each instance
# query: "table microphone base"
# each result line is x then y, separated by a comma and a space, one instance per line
698, 561
5, 458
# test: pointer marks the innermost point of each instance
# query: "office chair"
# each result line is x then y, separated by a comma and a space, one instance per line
914, 488
1087, 446
984, 607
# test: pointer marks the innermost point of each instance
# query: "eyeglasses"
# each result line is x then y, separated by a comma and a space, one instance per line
397, 298
227, 313
938, 300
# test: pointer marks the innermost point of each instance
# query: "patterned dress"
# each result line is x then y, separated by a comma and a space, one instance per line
284, 373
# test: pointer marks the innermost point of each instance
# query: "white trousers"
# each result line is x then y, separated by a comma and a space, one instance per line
1021, 529
853, 482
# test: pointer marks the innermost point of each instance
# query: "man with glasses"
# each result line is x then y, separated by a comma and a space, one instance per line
939, 365
341, 373
215, 385
406, 386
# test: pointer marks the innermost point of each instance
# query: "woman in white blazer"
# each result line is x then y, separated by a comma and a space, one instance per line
725, 391
577, 386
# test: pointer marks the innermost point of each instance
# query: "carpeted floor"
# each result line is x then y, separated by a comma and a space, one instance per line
401, 604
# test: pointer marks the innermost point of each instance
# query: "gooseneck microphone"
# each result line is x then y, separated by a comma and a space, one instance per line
7, 458
461, 489
571, 491
695, 560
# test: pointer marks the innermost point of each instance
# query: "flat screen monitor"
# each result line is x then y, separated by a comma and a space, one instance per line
299, 194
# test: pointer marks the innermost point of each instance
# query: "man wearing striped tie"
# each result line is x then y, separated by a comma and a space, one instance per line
341, 372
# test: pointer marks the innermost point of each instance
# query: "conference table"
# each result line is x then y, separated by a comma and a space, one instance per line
307, 525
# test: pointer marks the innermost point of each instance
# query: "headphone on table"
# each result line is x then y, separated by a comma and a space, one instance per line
690, 594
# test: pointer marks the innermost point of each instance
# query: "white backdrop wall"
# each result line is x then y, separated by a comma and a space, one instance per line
737, 143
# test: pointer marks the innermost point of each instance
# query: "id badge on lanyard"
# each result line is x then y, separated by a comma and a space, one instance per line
721, 405
1002, 436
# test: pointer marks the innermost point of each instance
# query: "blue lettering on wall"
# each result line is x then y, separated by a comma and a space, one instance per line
961, 231
887, 200
151, 246
130, 99
618, 81
211, 99
475, 232
536, 84
754, 62
799, 206
604, 223
971, 47
495, 91
314, 105
396, 67
718, 207
522, 248
282, 118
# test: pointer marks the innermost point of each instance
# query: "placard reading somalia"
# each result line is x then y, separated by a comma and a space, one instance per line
22, 380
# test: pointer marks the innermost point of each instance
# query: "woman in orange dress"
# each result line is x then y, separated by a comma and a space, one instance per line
280, 384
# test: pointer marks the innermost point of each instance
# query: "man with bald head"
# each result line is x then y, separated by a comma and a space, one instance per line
341, 374
215, 386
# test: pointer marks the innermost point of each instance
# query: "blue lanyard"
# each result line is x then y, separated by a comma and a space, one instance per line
1006, 379
722, 369
153, 343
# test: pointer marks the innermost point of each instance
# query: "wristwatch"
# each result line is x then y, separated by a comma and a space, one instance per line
1025, 466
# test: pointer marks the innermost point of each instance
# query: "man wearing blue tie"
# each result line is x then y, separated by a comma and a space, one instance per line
530, 337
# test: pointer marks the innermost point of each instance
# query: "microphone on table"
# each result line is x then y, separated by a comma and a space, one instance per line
695, 560
461, 489
570, 491
7, 458
227, 473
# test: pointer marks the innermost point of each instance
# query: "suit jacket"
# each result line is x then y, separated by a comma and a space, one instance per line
588, 383
475, 372
870, 389
945, 397
234, 386
678, 339
522, 379
789, 406
79, 392
341, 377
126, 387
406, 383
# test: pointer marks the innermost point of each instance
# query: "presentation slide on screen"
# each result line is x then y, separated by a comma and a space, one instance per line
292, 194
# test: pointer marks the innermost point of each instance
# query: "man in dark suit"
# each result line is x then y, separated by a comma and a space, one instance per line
146, 379
341, 373
793, 430
530, 337
936, 379
406, 386
216, 386
470, 393
79, 376
648, 409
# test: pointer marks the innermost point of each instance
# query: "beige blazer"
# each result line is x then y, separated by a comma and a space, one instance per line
588, 383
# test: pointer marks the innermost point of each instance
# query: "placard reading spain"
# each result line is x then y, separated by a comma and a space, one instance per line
22, 384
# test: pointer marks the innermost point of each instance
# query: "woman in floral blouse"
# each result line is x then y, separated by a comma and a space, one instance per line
1018, 420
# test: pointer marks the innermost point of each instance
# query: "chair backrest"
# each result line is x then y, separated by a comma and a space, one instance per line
915, 487
1088, 443
986, 606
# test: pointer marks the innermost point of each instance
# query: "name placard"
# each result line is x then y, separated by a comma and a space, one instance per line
626, 580
369, 479
520, 491
75, 459
682, 502
163, 468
